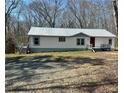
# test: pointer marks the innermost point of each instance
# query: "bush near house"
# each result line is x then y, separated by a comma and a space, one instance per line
10, 45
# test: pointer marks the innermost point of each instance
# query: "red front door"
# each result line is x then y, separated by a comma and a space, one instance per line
92, 41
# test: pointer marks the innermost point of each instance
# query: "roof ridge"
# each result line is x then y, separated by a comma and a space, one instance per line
69, 28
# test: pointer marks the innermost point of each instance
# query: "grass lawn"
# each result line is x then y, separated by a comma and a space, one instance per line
62, 72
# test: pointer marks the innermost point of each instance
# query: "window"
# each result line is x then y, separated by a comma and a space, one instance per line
80, 41
110, 41
36, 41
61, 39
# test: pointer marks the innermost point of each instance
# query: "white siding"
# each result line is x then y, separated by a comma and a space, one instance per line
53, 42
71, 42
100, 40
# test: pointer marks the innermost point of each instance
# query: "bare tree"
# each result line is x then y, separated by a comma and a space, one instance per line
83, 11
115, 12
75, 11
48, 10
10, 5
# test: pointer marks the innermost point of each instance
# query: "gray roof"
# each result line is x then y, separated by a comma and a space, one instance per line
43, 31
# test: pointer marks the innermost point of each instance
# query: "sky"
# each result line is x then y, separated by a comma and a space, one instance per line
29, 1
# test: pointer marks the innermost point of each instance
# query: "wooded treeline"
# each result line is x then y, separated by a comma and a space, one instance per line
20, 16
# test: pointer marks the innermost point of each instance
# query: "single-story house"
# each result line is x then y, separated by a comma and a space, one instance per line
59, 39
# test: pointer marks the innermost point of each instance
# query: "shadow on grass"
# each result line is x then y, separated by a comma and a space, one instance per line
87, 86
41, 62
25, 67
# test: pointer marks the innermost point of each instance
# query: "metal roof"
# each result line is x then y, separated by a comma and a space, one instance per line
44, 31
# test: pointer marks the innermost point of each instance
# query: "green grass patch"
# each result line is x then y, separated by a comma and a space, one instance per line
68, 53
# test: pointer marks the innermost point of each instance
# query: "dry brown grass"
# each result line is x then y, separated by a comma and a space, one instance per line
79, 72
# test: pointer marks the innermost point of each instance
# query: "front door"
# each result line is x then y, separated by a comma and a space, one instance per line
92, 41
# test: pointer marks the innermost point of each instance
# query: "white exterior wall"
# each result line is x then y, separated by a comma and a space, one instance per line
53, 42
71, 42
103, 40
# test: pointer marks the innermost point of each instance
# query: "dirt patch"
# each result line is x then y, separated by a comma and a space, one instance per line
62, 74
